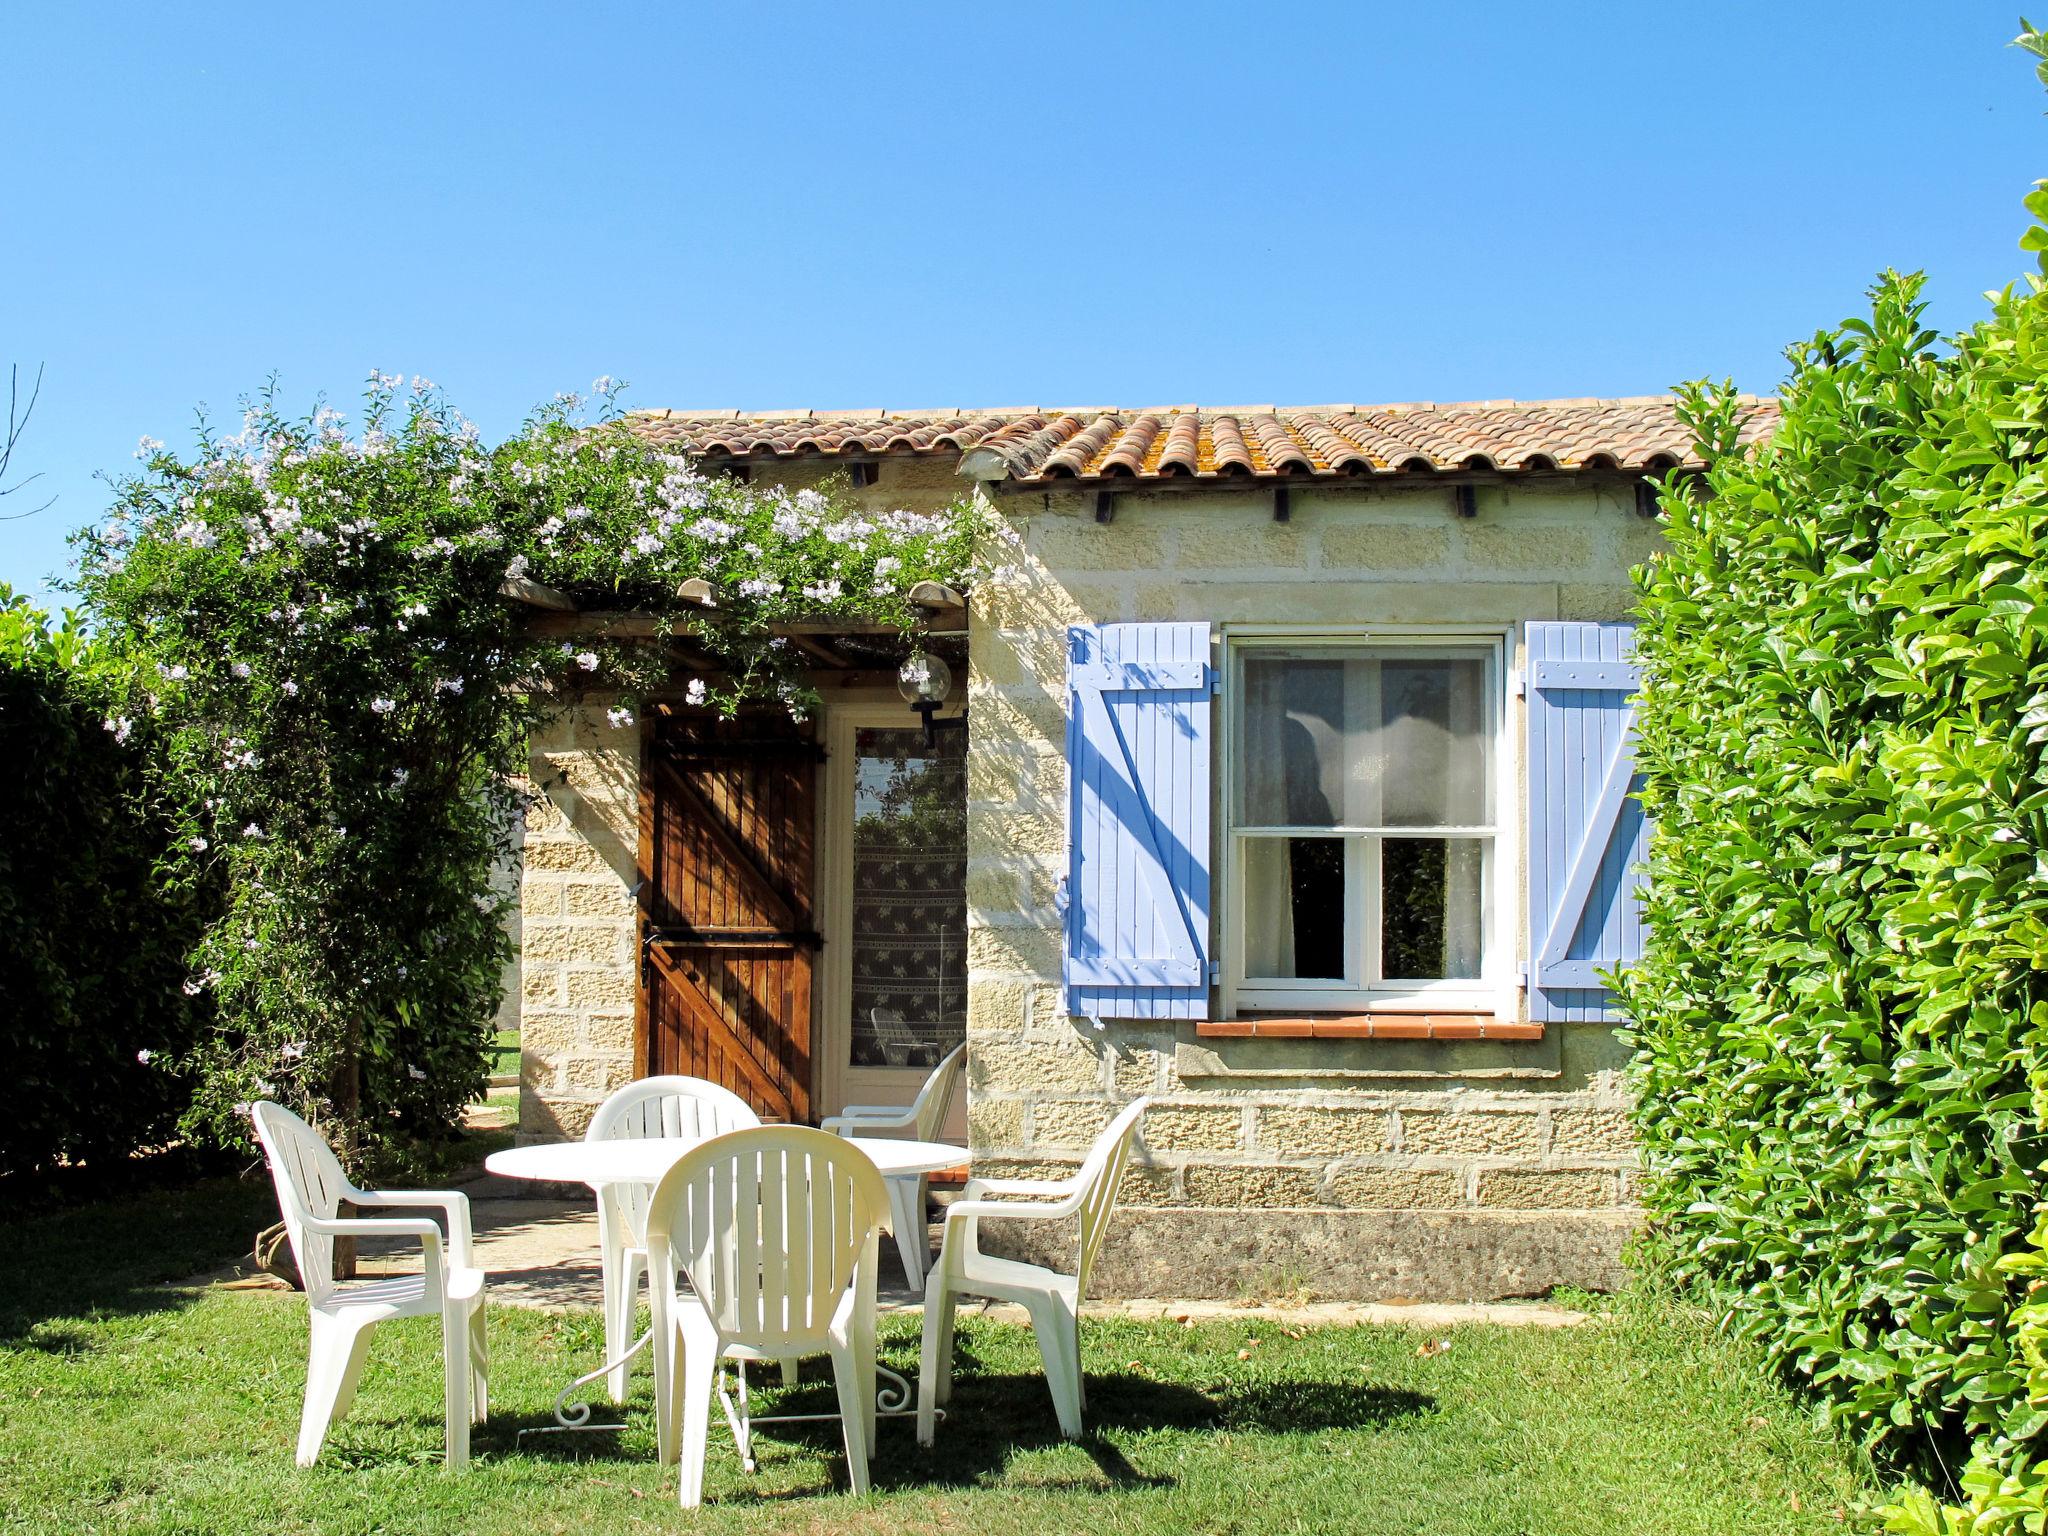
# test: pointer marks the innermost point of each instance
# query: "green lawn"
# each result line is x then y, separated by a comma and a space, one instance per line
127, 1406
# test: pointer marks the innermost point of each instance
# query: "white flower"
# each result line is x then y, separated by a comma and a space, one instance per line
415, 1074
421, 385
291, 689
647, 543
292, 1050
695, 692
120, 725
382, 706
603, 384
449, 685
197, 844
146, 445
587, 660
252, 831
823, 591
145, 1056
177, 674
414, 610
760, 586
886, 567
193, 989
196, 533
619, 718
240, 669
398, 776
515, 569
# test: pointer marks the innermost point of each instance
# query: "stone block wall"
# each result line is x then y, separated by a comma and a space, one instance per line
577, 962
1347, 1168
1488, 1168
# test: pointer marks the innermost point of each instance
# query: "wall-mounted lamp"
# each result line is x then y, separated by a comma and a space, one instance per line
924, 680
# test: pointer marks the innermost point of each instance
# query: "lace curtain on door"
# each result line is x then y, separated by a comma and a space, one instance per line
909, 897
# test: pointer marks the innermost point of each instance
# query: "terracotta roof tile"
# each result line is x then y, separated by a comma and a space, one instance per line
1032, 445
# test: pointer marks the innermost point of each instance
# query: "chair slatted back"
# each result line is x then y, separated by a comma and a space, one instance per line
655, 1107
309, 1182
935, 1098
768, 1224
1102, 1180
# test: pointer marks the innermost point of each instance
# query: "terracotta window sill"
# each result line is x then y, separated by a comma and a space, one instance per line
1374, 1026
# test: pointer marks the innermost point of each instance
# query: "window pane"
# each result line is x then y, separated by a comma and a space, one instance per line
1433, 740
1370, 739
1431, 901
1295, 722
1294, 908
909, 897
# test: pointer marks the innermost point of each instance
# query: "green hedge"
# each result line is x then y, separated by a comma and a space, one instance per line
93, 1013
1846, 997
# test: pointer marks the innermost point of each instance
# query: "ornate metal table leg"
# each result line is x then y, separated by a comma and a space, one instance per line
571, 1417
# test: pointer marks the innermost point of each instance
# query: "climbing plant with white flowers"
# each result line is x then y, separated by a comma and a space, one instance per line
315, 610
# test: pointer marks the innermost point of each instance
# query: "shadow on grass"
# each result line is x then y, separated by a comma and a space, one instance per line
114, 1257
994, 1417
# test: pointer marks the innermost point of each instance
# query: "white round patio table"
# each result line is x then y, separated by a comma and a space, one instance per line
643, 1160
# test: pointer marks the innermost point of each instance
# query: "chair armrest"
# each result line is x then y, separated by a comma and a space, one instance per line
451, 1201
974, 1189
428, 1232
1011, 1210
856, 1118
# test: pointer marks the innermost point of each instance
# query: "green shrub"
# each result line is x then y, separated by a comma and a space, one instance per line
93, 1015
1843, 1010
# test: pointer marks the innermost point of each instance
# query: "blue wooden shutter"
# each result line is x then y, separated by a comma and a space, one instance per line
1137, 887
1587, 833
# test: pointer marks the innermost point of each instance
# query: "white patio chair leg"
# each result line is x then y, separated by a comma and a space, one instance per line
666, 1378
699, 1371
622, 1272
479, 1365
334, 1364
906, 1225
1051, 1322
739, 1417
789, 1370
856, 1402
455, 1385
935, 1359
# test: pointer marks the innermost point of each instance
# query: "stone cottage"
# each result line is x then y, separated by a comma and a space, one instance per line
1285, 779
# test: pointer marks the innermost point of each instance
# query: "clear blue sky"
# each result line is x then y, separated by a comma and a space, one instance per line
872, 205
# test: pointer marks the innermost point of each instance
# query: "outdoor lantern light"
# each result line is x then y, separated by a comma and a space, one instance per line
924, 681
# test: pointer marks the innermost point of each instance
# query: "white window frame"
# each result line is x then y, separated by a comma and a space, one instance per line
1494, 990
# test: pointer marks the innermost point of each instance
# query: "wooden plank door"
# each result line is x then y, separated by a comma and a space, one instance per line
727, 937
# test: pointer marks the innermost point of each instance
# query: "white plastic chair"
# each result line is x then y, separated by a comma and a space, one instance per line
310, 1187
893, 1036
924, 1119
1052, 1299
649, 1107
777, 1230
